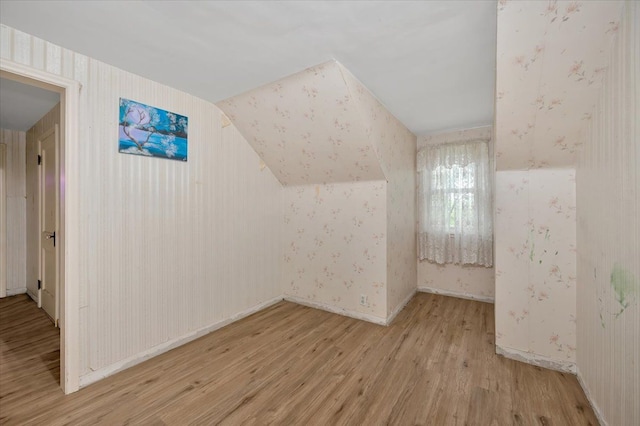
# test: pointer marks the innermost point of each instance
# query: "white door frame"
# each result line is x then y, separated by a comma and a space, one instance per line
69, 213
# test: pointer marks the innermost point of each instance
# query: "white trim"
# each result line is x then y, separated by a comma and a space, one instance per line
459, 294
69, 267
538, 360
590, 398
336, 310
454, 129
401, 306
33, 296
101, 373
14, 291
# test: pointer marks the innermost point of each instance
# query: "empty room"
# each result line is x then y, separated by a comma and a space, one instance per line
358, 213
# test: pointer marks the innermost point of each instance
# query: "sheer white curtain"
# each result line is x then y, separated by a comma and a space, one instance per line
454, 203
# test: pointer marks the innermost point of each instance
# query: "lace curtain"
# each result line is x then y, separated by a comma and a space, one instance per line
454, 203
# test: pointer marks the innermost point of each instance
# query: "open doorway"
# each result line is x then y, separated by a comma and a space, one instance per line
30, 120
55, 204
29, 123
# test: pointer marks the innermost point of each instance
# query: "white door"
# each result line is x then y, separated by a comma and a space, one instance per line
48, 223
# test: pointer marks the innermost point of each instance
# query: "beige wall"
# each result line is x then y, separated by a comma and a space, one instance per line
325, 136
551, 57
15, 142
307, 127
168, 248
395, 149
335, 247
475, 282
608, 231
536, 265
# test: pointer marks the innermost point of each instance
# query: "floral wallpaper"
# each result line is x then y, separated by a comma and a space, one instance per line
608, 231
307, 128
336, 245
348, 168
468, 281
551, 56
395, 146
536, 262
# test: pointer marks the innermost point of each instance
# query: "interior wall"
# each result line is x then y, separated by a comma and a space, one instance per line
551, 57
608, 231
395, 149
322, 128
536, 265
307, 128
169, 249
470, 281
15, 142
335, 247
48, 121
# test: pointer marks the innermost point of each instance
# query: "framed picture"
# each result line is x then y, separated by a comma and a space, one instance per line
150, 131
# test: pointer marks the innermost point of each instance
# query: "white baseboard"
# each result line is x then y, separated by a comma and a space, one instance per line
101, 373
32, 295
535, 359
400, 306
336, 310
14, 291
592, 401
460, 294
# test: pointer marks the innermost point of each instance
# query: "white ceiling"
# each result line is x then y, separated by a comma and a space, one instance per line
432, 63
21, 106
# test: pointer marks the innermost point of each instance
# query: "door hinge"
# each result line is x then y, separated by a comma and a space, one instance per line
39, 159
39, 285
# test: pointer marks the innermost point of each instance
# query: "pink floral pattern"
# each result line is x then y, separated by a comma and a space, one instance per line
335, 245
536, 262
348, 166
308, 128
395, 147
550, 60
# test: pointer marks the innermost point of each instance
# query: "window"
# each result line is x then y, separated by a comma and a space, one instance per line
454, 198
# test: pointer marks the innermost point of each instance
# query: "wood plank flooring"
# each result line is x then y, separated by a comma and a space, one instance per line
294, 365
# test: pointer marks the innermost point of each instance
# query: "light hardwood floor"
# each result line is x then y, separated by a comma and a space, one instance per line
295, 365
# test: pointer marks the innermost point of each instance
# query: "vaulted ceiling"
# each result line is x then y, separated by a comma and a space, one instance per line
431, 63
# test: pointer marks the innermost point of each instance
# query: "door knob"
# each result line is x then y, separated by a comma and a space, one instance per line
50, 235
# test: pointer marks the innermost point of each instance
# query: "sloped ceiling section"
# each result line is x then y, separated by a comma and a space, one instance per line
308, 128
550, 61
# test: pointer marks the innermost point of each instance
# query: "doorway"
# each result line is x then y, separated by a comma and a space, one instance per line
65, 212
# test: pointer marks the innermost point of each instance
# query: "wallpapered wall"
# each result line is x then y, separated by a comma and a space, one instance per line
608, 231
307, 128
551, 57
476, 282
536, 264
343, 158
15, 142
168, 249
335, 246
395, 146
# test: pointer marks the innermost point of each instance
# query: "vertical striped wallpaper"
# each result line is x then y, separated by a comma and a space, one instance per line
168, 247
15, 210
608, 233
